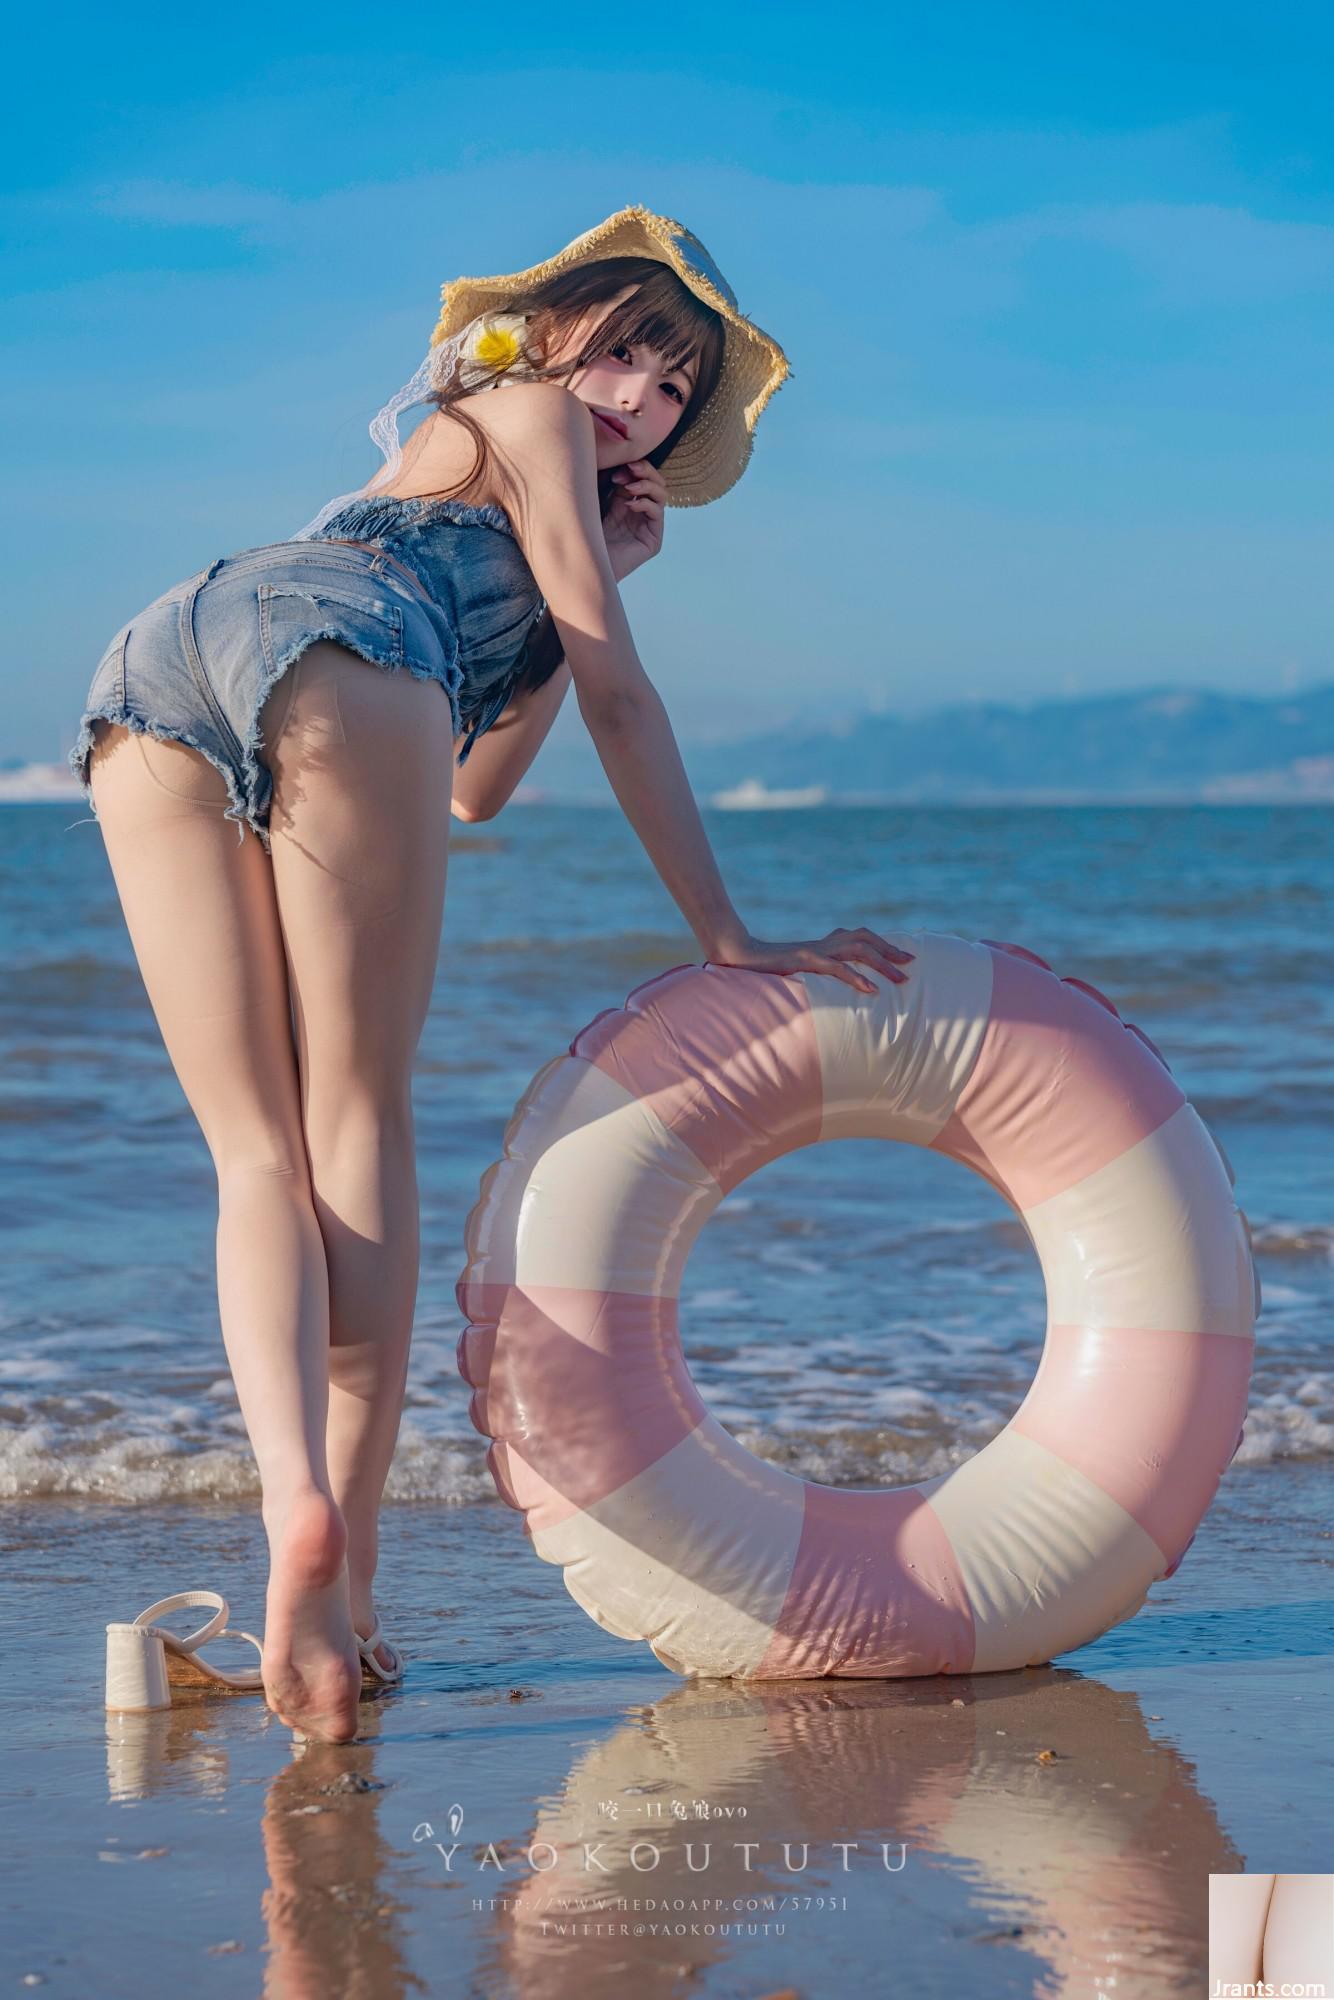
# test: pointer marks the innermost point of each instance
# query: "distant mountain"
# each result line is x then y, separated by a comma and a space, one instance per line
1161, 744
1168, 743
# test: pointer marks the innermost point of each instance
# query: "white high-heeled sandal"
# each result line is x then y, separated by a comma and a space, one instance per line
371, 1670
145, 1661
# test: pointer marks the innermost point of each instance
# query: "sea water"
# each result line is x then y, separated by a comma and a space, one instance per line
861, 1313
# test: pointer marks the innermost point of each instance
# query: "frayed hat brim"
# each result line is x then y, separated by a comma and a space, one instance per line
715, 451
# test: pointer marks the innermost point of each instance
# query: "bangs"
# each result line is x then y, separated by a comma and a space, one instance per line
665, 315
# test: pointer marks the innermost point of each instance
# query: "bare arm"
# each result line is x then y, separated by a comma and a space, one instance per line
632, 533
643, 765
549, 434
499, 759
550, 489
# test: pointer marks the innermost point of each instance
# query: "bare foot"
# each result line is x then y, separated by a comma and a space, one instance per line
312, 1672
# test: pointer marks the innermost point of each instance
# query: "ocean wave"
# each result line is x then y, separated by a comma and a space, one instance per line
49, 1461
1287, 1426
1293, 1239
918, 1436
1290, 1423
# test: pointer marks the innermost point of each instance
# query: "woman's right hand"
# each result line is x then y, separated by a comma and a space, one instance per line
632, 524
831, 954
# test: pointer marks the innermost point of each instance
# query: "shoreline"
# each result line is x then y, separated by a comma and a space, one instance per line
524, 1735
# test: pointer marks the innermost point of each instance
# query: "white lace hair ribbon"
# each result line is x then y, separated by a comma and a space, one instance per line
436, 371
384, 431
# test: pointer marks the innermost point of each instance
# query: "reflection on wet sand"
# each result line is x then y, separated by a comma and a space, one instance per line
1085, 1845
331, 1920
1081, 1833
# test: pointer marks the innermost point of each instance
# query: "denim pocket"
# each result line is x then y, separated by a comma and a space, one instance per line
292, 616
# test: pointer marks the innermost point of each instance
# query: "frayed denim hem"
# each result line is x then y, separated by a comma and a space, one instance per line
276, 664
117, 712
242, 790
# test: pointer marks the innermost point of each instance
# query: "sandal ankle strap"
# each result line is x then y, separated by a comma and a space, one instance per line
185, 1600
366, 1647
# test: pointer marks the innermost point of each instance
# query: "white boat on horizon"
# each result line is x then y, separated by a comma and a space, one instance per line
28, 784
753, 795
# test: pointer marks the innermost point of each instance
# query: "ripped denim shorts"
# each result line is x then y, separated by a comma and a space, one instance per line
199, 662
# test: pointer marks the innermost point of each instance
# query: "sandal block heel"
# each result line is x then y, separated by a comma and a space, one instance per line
136, 1670
145, 1661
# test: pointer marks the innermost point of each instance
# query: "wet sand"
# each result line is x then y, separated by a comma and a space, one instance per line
444, 1852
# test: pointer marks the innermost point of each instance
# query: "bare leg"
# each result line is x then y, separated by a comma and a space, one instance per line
203, 918
362, 763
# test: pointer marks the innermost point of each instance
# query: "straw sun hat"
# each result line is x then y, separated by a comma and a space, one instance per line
714, 452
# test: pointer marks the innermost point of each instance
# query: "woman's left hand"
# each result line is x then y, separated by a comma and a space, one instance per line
632, 523
834, 953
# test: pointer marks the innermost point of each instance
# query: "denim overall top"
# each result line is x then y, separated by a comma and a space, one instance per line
470, 565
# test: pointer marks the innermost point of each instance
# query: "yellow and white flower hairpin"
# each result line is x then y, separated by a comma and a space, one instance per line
491, 346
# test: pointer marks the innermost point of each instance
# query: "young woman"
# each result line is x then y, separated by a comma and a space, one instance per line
290, 973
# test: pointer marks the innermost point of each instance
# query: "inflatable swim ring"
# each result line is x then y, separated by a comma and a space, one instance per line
670, 1531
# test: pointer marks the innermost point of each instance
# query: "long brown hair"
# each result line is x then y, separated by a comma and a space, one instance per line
662, 313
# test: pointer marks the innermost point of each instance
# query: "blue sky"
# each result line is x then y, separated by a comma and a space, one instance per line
1057, 286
